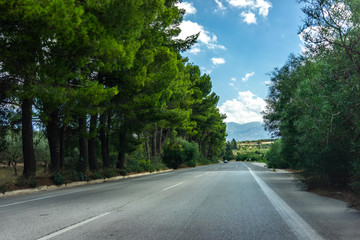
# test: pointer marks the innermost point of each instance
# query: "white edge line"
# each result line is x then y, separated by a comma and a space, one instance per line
297, 224
165, 189
64, 230
46, 197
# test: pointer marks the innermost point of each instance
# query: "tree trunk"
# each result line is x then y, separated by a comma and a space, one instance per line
121, 160
84, 159
27, 139
162, 140
92, 143
104, 141
122, 148
52, 134
147, 148
154, 144
62, 146
200, 146
159, 142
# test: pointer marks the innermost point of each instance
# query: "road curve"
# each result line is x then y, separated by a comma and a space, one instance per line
225, 201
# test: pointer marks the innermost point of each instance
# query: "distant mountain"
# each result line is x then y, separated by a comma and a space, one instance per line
246, 131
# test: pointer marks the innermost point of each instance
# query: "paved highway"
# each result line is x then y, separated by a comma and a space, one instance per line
225, 201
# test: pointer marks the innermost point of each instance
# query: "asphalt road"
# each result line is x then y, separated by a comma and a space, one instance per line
224, 201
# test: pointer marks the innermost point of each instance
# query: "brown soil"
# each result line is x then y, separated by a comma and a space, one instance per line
343, 195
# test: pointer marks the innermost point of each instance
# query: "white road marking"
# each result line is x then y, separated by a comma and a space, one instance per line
165, 189
201, 175
297, 224
54, 234
41, 198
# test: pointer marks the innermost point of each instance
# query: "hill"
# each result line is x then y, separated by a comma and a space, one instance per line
246, 131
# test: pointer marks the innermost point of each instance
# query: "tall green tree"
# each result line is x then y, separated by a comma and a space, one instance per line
313, 101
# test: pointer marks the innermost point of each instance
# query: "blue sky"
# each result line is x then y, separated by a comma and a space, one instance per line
240, 43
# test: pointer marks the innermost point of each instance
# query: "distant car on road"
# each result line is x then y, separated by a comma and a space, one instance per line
226, 161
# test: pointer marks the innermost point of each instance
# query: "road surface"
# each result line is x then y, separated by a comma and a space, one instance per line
233, 200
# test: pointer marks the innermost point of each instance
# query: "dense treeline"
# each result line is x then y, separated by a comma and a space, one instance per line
102, 80
313, 102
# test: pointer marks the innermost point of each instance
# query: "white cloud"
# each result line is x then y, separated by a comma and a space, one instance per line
231, 84
189, 8
208, 39
247, 76
194, 50
241, 3
246, 108
220, 5
263, 7
249, 17
215, 46
217, 61
233, 79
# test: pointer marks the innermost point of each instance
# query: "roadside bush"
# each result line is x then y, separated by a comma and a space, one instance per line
274, 158
33, 183
249, 156
181, 152
123, 172
96, 175
73, 175
109, 172
21, 182
59, 179
191, 163
240, 157
4, 188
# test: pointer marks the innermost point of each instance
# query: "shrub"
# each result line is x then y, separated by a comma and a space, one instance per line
123, 172
191, 163
33, 183
59, 179
4, 188
96, 175
21, 182
240, 157
73, 175
181, 152
109, 172
274, 158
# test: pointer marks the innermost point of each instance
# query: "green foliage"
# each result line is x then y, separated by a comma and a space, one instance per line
181, 152
58, 178
313, 100
96, 175
234, 144
41, 147
273, 156
228, 155
109, 172
123, 172
4, 188
12, 154
118, 59
249, 156
33, 183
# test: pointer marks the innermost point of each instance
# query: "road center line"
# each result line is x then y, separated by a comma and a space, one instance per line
297, 224
64, 230
165, 189
201, 175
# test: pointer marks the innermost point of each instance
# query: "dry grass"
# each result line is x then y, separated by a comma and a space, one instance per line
7, 175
